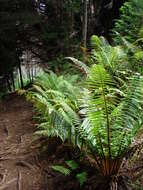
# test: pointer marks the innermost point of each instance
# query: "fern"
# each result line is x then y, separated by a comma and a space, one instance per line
112, 58
84, 68
111, 124
72, 164
56, 100
61, 169
81, 177
130, 21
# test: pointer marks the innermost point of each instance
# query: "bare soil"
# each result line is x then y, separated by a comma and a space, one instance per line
20, 167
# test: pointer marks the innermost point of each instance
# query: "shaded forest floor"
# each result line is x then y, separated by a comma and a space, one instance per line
23, 166
20, 168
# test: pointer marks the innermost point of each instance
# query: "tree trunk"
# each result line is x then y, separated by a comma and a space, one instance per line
20, 73
12, 79
85, 18
8, 84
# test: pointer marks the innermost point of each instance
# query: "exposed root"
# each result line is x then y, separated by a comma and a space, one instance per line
3, 176
24, 164
19, 181
4, 186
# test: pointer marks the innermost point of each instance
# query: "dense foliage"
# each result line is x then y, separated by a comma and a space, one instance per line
48, 30
13, 18
105, 117
56, 100
130, 23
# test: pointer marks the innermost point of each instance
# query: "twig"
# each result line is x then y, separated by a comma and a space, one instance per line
2, 187
3, 178
19, 180
8, 158
25, 164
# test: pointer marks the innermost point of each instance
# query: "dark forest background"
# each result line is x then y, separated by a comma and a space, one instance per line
49, 30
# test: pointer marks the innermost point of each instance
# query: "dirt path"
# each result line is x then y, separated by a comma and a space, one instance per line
20, 168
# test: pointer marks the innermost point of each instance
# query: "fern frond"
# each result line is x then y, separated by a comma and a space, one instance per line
72, 164
128, 118
56, 100
111, 57
80, 64
81, 177
99, 106
61, 169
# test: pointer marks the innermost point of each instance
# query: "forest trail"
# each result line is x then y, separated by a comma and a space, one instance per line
20, 168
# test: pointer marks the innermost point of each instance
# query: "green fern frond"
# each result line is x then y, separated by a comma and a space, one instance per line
80, 64
111, 120
128, 118
72, 164
56, 100
112, 58
61, 169
81, 177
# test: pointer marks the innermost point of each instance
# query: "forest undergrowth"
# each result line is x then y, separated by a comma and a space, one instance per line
26, 161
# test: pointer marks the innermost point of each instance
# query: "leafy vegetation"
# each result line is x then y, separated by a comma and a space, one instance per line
95, 103
130, 23
104, 118
72, 166
111, 123
56, 97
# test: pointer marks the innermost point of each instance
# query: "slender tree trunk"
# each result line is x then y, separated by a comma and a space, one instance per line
18, 53
32, 72
85, 18
12, 79
28, 66
71, 18
20, 73
9, 85
61, 12
91, 18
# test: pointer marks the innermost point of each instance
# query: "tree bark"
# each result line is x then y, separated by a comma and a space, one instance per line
85, 20
20, 73
12, 79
